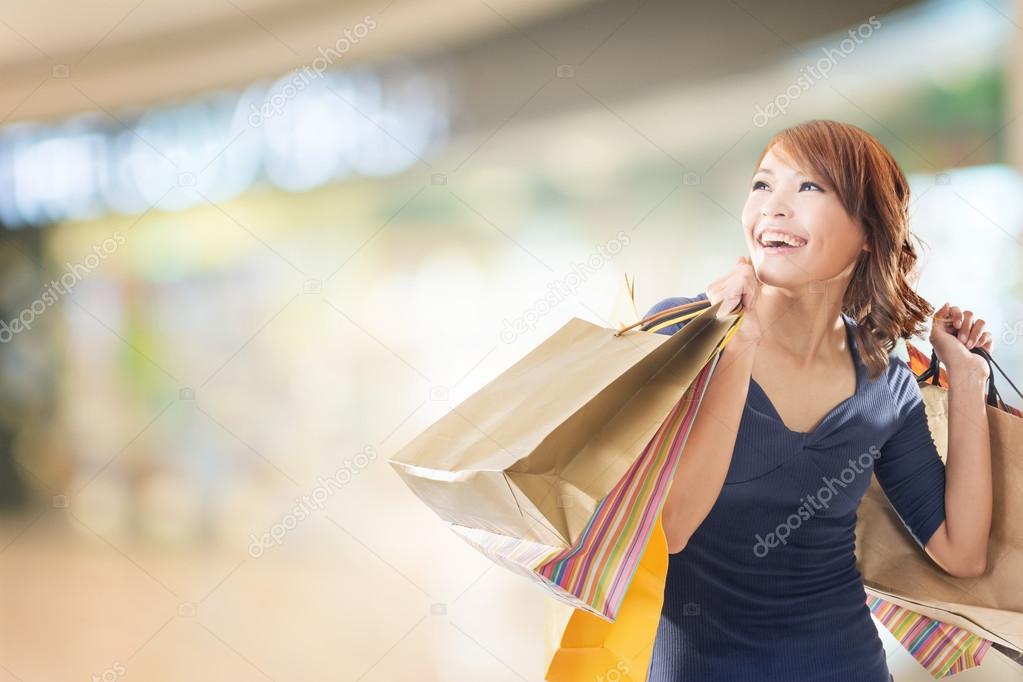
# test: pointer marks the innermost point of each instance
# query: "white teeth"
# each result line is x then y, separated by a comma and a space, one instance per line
791, 240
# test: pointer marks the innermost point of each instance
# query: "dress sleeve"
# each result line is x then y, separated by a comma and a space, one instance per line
909, 468
669, 303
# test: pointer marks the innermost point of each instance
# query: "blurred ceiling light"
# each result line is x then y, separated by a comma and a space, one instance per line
304, 130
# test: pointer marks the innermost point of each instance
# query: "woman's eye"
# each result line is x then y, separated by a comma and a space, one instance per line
756, 185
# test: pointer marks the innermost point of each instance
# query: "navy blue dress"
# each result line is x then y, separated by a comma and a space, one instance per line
767, 587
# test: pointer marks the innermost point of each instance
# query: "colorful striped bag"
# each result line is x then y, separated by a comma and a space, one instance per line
942, 649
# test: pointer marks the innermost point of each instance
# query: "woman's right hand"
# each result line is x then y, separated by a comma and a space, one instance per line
739, 285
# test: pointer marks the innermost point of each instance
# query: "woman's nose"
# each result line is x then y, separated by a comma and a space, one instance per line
773, 209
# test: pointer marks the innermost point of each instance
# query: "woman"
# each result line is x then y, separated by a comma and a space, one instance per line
809, 400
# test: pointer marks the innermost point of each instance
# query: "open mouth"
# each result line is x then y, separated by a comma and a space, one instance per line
780, 241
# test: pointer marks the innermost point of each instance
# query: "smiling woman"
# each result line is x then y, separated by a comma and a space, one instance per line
809, 402
839, 196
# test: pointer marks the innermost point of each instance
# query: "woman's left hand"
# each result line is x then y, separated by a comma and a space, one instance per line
954, 332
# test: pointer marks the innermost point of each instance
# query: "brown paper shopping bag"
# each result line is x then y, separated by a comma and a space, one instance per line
557, 468
895, 568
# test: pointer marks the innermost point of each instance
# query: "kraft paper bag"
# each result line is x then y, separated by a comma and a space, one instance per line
895, 568
531, 454
558, 468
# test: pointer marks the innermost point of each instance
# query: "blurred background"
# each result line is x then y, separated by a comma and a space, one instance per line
249, 248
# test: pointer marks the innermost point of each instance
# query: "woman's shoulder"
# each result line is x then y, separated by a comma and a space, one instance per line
671, 302
902, 381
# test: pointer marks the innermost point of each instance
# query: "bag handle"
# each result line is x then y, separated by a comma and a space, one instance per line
991, 361
669, 316
994, 398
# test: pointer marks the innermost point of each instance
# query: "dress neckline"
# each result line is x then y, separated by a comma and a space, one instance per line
858, 366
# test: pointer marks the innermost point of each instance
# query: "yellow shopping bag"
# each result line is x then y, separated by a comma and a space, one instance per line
581, 646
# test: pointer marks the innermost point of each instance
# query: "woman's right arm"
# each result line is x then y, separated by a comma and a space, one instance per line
708, 451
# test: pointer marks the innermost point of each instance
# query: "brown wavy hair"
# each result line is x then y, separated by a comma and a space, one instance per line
874, 191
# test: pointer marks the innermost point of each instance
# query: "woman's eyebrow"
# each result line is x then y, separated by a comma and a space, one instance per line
768, 171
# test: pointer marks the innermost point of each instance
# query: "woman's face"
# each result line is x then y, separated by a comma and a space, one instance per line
826, 241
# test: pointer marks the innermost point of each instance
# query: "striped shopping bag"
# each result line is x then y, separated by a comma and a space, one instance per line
942, 649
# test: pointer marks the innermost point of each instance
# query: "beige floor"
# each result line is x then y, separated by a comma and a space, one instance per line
373, 607
74, 606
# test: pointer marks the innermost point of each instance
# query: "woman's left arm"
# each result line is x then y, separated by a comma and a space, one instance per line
960, 544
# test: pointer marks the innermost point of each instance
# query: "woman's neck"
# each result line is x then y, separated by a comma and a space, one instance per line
804, 326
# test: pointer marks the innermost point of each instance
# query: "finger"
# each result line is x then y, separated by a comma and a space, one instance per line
986, 341
975, 331
948, 321
748, 293
945, 321
938, 318
728, 304
964, 326
956, 316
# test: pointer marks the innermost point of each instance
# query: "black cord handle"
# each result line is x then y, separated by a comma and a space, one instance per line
994, 398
